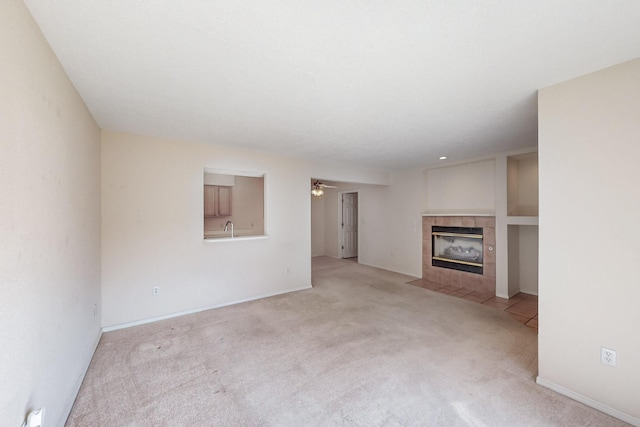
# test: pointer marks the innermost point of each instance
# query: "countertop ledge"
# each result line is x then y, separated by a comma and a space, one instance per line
459, 214
233, 239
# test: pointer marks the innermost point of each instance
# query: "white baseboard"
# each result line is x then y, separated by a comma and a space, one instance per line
199, 309
589, 402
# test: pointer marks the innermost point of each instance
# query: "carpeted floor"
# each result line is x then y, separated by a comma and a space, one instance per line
362, 348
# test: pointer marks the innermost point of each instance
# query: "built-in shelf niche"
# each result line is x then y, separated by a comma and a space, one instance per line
522, 186
523, 259
522, 223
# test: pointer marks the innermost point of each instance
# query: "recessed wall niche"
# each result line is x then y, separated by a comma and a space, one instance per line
522, 185
233, 204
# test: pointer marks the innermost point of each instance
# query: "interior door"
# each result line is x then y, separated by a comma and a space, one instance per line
349, 225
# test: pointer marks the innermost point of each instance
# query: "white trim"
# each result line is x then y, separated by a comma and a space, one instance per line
197, 310
589, 402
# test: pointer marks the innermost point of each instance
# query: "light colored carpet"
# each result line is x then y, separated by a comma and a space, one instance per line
362, 348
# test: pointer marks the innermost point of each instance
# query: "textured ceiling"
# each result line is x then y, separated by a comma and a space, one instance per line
385, 84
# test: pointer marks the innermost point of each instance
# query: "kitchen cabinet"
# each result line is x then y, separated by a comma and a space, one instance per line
217, 201
224, 201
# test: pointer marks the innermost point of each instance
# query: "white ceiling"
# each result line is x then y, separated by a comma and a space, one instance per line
385, 84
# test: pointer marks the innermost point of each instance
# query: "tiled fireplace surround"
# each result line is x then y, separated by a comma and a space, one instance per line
480, 283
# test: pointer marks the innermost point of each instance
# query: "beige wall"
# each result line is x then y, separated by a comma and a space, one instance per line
391, 214
50, 233
512, 186
376, 227
331, 222
513, 258
528, 185
407, 200
317, 226
462, 188
522, 185
528, 257
589, 209
523, 259
152, 230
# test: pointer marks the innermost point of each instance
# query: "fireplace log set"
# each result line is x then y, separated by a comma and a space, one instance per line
458, 248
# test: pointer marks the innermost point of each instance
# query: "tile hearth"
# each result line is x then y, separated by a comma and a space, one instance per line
522, 307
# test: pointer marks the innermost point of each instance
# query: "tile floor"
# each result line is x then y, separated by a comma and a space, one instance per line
522, 307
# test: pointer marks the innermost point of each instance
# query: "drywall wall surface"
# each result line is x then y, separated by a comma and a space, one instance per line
406, 201
589, 285
50, 233
528, 185
331, 228
373, 245
390, 221
211, 178
337, 172
390, 209
317, 226
152, 229
247, 203
466, 188
528, 254
523, 259
373, 231
513, 199
513, 245
522, 185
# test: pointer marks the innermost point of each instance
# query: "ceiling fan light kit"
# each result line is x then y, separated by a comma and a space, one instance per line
317, 191
317, 188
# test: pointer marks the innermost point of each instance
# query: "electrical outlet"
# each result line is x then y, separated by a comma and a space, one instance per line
608, 356
35, 418
155, 291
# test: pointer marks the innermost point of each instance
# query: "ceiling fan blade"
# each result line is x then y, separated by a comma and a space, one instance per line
321, 184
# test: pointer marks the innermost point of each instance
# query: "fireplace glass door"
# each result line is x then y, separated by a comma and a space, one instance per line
458, 248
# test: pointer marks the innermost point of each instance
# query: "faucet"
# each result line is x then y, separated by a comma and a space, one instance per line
226, 227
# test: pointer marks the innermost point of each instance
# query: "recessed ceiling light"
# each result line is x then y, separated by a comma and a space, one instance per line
443, 157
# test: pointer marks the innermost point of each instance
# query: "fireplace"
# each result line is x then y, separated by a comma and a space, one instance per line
457, 248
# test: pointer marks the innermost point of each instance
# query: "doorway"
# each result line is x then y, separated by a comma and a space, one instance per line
349, 225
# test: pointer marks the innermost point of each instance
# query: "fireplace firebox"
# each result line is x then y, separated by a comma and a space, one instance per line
458, 248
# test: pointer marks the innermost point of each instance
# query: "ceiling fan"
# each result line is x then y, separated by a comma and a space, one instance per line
317, 188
